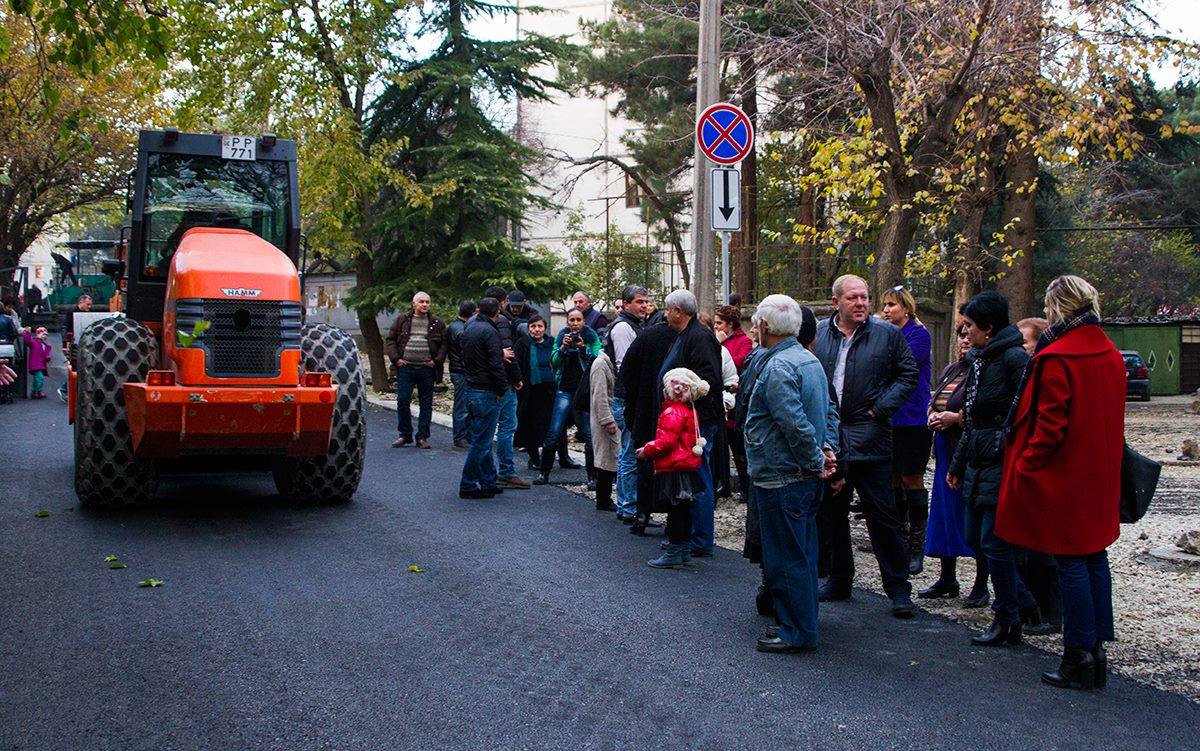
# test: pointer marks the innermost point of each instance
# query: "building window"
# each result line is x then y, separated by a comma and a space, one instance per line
633, 197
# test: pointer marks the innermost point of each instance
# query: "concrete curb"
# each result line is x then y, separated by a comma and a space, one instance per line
440, 418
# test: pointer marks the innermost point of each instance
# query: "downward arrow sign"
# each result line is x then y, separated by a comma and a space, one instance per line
726, 208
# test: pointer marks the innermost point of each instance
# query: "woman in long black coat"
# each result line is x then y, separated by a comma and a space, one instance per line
536, 399
996, 364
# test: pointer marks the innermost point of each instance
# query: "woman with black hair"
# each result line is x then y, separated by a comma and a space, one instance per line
535, 401
996, 364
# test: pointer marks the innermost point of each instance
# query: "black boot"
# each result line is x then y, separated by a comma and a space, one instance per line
918, 516
762, 599
979, 596
998, 634
1077, 670
1100, 657
535, 460
947, 583
1033, 622
547, 462
639, 525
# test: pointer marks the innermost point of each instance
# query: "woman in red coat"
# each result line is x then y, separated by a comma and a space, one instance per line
1062, 471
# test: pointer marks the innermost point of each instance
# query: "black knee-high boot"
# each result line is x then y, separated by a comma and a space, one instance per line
918, 516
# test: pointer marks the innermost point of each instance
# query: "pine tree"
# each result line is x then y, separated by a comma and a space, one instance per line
476, 175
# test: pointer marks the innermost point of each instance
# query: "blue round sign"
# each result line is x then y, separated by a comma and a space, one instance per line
724, 133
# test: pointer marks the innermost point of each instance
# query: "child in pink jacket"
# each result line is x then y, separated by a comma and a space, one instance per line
39, 351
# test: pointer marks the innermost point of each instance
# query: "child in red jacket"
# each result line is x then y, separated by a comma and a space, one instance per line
677, 451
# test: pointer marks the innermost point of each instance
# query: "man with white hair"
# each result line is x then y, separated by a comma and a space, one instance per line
697, 349
416, 347
787, 449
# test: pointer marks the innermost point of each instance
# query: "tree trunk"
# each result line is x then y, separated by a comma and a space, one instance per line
892, 248
1021, 175
1020, 206
364, 278
743, 268
967, 274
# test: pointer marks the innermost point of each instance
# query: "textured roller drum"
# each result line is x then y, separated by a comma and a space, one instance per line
334, 477
111, 352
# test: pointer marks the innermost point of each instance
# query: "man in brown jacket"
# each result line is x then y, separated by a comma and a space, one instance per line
416, 346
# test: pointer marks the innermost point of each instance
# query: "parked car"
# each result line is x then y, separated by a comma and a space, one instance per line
1137, 375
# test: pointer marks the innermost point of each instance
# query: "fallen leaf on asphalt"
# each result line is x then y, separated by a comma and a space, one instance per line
415, 570
117, 564
110, 557
42, 514
150, 583
913, 662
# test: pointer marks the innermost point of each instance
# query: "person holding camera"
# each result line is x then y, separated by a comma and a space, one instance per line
574, 349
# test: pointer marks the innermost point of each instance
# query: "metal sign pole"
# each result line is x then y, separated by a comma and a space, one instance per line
724, 268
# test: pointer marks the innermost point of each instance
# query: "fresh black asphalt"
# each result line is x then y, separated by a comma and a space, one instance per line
535, 624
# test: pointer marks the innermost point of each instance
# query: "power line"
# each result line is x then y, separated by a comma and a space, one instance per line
1121, 228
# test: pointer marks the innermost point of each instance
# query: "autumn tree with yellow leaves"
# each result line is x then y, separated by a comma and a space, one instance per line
67, 141
952, 106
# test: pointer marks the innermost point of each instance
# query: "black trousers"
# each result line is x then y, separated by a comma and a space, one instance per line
720, 459
873, 483
737, 447
604, 487
645, 487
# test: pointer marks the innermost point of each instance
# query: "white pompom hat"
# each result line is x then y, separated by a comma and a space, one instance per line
683, 385
696, 387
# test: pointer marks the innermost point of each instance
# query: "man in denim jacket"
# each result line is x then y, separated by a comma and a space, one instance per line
789, 418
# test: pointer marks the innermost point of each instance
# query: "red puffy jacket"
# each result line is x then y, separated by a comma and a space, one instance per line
671, 448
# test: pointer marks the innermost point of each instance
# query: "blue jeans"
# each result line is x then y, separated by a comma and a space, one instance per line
626, 463
706, 503
462, 416
506, 428
787, 517
562, 410
422, 377
479, 469
1087, 612
1011, 594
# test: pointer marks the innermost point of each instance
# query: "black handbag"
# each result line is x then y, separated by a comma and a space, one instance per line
1139, 480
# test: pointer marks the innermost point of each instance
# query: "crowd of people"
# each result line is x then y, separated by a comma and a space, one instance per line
821, 419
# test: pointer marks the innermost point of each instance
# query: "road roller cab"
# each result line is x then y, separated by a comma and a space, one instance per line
211, 356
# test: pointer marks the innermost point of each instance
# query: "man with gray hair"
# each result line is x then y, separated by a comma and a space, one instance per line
617, 339
592, 318
416, 347
697, 349
788, 415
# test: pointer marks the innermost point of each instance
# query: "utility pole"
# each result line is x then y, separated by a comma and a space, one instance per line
707, 89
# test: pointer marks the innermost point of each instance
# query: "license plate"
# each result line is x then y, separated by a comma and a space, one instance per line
243, 148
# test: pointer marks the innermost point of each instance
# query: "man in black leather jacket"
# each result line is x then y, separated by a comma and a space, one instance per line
487, 383
873, 374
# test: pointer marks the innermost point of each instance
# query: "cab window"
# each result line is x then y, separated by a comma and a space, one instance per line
183, 192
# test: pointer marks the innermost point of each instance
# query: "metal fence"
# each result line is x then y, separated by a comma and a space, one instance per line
803, 273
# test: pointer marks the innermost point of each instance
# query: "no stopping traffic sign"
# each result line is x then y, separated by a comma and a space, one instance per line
724, 133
